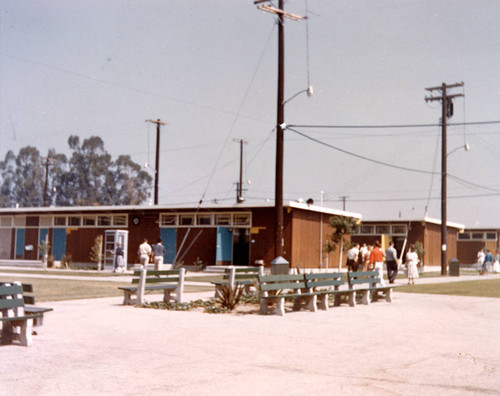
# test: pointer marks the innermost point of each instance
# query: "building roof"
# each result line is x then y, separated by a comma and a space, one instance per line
209, 206
417, 220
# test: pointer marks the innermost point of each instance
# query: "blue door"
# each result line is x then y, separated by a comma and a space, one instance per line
169, 240
20, 234
224, 250
58, 243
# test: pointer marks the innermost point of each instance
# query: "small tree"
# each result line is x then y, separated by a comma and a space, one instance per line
342, 226
96, 252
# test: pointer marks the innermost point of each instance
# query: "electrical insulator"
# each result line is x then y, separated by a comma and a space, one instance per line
449, 112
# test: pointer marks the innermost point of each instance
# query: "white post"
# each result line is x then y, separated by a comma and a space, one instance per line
180, 286
141, 286
232, 275
341, 250
46, 252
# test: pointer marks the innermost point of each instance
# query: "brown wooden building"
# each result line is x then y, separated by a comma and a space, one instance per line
238, 234
471, 241
426, 231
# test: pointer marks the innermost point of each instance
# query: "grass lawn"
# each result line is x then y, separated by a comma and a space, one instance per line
63, 289
477, 288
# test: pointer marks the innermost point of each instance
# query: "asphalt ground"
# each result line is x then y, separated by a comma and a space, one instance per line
418, 344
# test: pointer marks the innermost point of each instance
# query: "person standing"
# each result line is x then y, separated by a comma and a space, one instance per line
488, 262
144, 253
119, 262
377, 260
412, 261
363, 256
480, 261
391, 259
158, 252
352, 258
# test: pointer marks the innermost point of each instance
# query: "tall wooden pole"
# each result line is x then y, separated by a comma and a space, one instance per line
278, 199
157, 163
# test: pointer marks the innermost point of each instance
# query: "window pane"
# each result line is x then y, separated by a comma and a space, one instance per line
46, 221
104, 220
491, 236
477, 235
367, 229
241, 219
399, 229
464, 236
223, 219
19, 221
168, 220
6, 221
74, 220
89, 220
60, 220
383, 229
186, 219
204, 219
120, 220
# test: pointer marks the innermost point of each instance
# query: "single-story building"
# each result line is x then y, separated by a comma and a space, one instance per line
215, 234
472, 240
427, 231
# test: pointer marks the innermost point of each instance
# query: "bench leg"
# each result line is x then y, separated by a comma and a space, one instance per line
263, 306
323, 302
7, 333
166, 295
352, 299
127, 297
366, 297
375, 295
311, 303
280, 307
26, 336
388, 295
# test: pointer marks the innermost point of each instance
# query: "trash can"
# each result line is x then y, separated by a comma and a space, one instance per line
454, 267
279, 266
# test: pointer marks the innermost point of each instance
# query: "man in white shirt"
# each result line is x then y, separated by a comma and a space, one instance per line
144, 253
352, 258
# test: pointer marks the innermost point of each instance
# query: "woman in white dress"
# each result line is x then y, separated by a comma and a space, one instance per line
411, 263
496, 264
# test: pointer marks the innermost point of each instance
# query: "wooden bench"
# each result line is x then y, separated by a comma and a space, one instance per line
144, 281
364, 284
30, 307
246, 276
16, 324
322, 285
275, 288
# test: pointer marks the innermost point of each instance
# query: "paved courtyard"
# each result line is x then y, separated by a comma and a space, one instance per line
419, 344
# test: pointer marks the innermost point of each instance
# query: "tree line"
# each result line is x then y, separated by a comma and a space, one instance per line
88, 177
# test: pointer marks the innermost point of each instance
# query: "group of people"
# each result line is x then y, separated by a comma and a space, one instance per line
146, 253
373, 257
486, 263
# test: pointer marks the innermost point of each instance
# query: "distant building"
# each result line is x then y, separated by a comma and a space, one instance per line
472, 240
426, 231
238, 234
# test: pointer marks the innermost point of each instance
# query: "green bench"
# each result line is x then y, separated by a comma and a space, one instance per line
364, 284
30, 307
154, 281
16, 324
324, 284
245, 276
273, 289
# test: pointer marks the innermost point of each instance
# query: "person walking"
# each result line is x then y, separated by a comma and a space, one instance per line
412, 261
352, 258
144, 253
119, 261
391, 260
158, 252
480, 261
377, 260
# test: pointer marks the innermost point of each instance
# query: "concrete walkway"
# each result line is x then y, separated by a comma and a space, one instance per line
419, 344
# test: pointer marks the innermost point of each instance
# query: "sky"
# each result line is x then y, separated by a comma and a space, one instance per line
209, 70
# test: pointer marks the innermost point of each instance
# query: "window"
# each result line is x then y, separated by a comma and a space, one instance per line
19, 221
59, 221
399, 230
186, 220
241, 219
464, 236
89, 220
223, 219
477, 235
74, 221
167, 220
366, 229
45, 221
6, 221
491, 236
383, 229
120, 220
204, 219
103, 221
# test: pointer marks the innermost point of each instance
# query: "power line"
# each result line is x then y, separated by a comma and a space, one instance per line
390, 125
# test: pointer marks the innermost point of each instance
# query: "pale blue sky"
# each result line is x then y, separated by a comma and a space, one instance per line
208, 68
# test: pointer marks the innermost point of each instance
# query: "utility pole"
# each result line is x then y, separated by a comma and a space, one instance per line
446, 112
344, 198
280, 119
239, 187
157, 165
48, 161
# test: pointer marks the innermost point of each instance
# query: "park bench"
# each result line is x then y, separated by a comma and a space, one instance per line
245, 276
364, 284
328, 283
16, 323
154, 281
275, 288
30, 307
